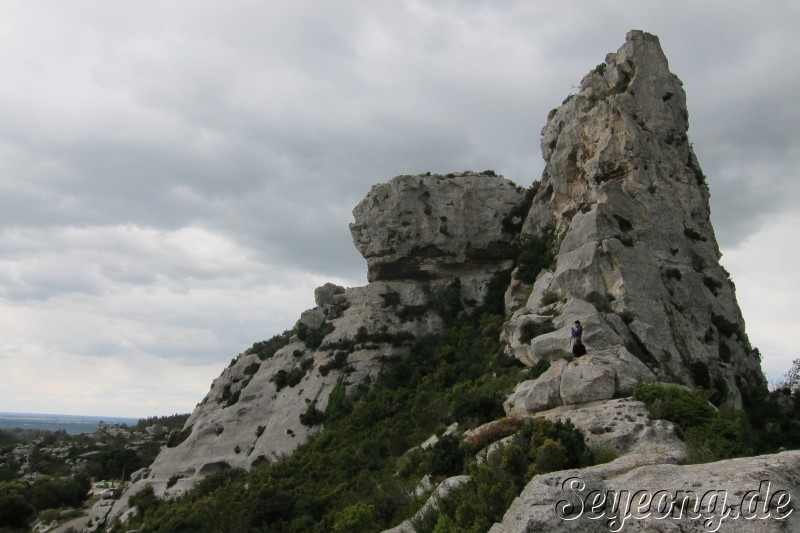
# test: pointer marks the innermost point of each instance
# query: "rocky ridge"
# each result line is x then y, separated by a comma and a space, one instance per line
638, 264
623, 209
263, 405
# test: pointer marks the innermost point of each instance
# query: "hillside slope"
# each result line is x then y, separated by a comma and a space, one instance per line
474, 284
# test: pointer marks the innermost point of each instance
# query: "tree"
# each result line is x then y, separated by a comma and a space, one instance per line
791, 380
15, 511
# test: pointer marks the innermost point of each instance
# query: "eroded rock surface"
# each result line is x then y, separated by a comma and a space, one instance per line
434, 226
423, 237
689, 490
637, 260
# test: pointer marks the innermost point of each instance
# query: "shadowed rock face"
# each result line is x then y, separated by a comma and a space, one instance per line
433, 226
638, 262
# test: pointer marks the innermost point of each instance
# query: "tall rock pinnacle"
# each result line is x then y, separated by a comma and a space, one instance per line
637, 262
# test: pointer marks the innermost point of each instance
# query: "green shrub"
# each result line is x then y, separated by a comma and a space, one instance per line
266, 349
701, 376
602, 455
446, 301
536, 370
531, 330
539, 445
282, 378
356, 517
478, 402
536, 254
178, 436
708, 435
313, 337
339, 361
447, 457
15, 509
336, 401
251, 369
494, 301
234, 397
145, 500
312, 416
550, 456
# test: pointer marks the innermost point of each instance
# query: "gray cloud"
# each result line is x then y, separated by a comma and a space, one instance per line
181, 174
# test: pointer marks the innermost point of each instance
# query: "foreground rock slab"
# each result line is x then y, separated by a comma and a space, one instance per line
751, 494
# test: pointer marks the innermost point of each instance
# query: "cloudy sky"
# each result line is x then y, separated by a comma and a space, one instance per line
177, 177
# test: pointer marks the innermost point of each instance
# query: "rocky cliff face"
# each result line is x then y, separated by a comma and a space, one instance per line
437, 227
637, 262
426, 239
619, 237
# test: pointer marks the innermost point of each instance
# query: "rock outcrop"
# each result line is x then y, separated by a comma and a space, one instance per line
617, 235
433, 227
263, 405
750, 494
637, 262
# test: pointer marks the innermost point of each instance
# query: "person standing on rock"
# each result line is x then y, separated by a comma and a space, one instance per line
576, 342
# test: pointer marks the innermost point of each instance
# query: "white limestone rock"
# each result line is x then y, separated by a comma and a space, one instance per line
767, 485
599, 376
434, 226
629, 205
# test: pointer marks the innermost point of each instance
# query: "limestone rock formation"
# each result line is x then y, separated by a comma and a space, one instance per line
263, 405
429, 227
753, 494
622, 210
637, 261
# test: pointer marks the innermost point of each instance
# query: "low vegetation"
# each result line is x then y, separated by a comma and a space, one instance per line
46, 475
708, 434
363, 466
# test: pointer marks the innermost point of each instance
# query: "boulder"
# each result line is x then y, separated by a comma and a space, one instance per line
751, 494
434, 226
